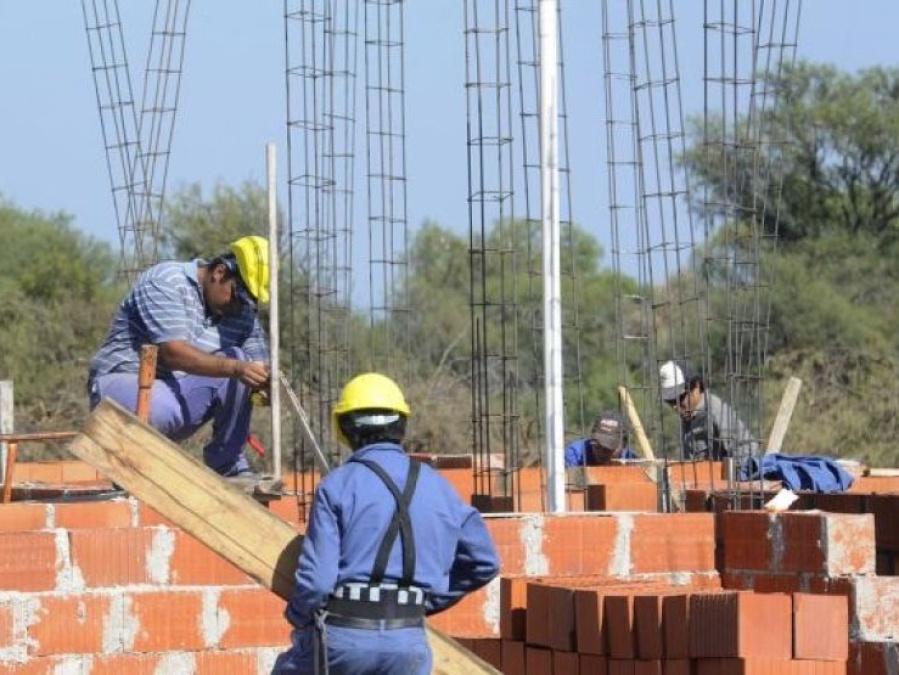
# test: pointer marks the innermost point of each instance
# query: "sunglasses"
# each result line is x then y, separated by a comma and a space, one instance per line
239, 291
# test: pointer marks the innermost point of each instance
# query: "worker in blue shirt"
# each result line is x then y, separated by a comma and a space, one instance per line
212, 350
389, 541
608, 442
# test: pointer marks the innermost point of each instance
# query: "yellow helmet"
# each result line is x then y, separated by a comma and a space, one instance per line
367, 394
251, 254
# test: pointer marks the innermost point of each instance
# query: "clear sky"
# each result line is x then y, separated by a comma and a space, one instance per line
232, 97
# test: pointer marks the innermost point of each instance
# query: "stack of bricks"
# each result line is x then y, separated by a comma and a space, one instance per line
572, 627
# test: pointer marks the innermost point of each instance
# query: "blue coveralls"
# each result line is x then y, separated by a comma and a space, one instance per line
580, 453
166, 304
352, 510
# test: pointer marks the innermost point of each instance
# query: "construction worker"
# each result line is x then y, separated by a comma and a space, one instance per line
212, 350
389, 542
607, 442
710, 428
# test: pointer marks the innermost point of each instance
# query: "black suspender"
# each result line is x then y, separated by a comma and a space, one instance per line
400, 524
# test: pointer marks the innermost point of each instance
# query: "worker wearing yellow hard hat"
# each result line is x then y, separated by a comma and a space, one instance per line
212, 349
389, 542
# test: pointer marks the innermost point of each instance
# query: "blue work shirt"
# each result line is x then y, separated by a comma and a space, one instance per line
166, 304
352, 509
577, 452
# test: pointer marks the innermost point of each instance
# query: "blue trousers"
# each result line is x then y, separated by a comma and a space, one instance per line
351, 651
179, 407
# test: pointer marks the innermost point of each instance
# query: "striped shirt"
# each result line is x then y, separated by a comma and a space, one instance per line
165, 305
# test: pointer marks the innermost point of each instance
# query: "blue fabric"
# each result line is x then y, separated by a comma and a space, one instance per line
350, 514
797, 472
179, 407
578, 450
404, 651
165, 305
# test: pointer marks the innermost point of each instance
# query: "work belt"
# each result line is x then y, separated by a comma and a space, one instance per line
376, 607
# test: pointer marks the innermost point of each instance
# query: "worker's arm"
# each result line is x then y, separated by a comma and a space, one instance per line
476, 563
179, 355
316, 574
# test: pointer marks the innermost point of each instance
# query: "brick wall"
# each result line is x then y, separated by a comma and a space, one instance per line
112, 587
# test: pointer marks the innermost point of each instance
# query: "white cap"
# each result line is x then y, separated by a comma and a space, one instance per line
672, 381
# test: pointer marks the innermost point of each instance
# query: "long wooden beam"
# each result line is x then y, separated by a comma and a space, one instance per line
266, 547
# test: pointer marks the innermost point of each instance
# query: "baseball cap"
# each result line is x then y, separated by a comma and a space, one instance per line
672, 380
609, 430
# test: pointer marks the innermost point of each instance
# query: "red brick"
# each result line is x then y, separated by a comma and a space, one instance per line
562, 635
81, 515
253, 618
506, 534
69, 624
677, 667
538, 661
194, 563
133, 664
513, 656
7, 637
148, 517
467, 617
886, 527
538, 628
219, 662
675, 625
673, 542
168, 621
42, 665
490, 650
741, 624
820, 627
589, 622
579, 544
621, 667
622, 497
113, 557
648, 626
873, 658
565, 663
28, 561
874, 608
619, 618
22, 517
647, 667
513, 600
592, 664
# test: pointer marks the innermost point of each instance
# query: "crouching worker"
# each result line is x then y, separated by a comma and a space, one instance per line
389, 542
607, 443
202, 316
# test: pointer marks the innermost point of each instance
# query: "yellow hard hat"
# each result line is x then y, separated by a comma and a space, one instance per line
251, 254
369, 391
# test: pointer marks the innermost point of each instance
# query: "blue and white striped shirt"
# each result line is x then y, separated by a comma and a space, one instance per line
165, 305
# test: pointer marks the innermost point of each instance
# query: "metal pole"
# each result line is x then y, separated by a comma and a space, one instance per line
550, 210
273, 331
6, 422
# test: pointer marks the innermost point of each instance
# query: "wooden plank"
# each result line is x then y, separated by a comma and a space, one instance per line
266, 547
637, 426
784, 414
146, 376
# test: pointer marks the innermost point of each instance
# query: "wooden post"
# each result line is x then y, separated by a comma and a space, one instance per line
784, 414
193, 497
145, 378
6, 421
13, 450
636, 424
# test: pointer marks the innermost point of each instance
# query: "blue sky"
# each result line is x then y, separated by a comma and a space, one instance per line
232, 97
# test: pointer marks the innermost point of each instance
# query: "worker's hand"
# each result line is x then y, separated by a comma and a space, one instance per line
254, 374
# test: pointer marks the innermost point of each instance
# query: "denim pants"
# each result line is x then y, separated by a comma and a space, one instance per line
351, 651
180, 406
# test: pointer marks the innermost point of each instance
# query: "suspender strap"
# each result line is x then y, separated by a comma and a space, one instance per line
400, 524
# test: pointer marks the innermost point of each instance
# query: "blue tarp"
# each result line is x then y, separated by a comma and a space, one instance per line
820, 474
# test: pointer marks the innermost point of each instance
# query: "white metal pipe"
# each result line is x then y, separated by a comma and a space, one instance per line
6, 422
550, 214
274, 324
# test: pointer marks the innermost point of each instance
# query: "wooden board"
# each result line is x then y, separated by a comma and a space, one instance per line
263, 545
784, 414
636, 424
